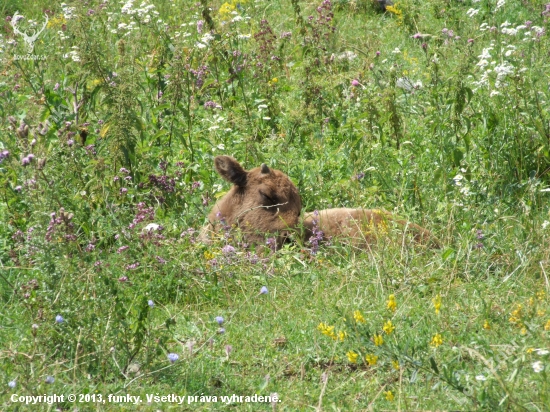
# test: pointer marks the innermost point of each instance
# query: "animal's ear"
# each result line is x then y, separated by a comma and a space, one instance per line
231, 170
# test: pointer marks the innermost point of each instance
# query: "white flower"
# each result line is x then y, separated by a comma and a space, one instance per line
538, 366
545, 224
542, 352
151, 226
396, 50
472, 12
485, 53
481, 378
457, 179
500, 3
244, 36
236, 18
262, 106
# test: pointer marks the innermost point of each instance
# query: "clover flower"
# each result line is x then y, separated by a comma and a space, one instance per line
151, 303
391, 304
59, 319
371, 359
263, 290
173, 357
352, 356
436, 341
219, 319
388, 327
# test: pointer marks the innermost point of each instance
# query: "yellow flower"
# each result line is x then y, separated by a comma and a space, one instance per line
226, 9
437, 304
486, 325
274, 80
523, 331
57, 21
208, 255
326, 330
378, 340
388, 327
540, 312
547, 326
394, 10
371, 359
341, 336
391, 304
395, 364
529, 350
358, 317
516, 314
436, 340
352, 356
531, 301
389, 396
540, 295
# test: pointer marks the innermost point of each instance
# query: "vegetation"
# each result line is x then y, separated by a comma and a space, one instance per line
110, 118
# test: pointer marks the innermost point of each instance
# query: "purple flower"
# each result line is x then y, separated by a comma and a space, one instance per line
200, 23
359, 176
211, 105
50, 379
123, 191
263, 290
228, 249
355, 83
12, 384
228, 350
470, 41
151, 303
378, 53
479, 234
17, 188
417, 36
221, 331
59, 319
123, 279
124, 170
173, 357
132, 266
70, 142
219, 319
25, 161
122, 249
90, 12
272, 243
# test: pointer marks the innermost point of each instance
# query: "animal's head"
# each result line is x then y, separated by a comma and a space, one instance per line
262, 201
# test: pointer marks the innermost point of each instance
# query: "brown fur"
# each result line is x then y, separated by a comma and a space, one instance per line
264, 202
363, 227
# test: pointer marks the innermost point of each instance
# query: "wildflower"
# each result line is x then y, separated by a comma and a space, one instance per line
523, 331
173, 357
538, 366
59, 319
391, 304
481, 378
486, 325
352, 356
123, 279
371, 359
131, 267
228, 249
389, 396
355, 83
395, 364
388, 327
219, 319
151, 304
50, 379
341, 336
208, 255
221, 331
516, 314
540, 295
326, 329
378, 340
12, 384
228, 350
200, 24
263, 290
542, 352
547, 326
436, 341
529, 350
358, 317
437, 304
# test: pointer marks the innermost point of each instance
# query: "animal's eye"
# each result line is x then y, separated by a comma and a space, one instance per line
268, 199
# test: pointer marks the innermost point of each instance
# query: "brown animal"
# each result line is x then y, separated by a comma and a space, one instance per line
264, 203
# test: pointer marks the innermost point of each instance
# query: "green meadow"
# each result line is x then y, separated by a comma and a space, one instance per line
111, 113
